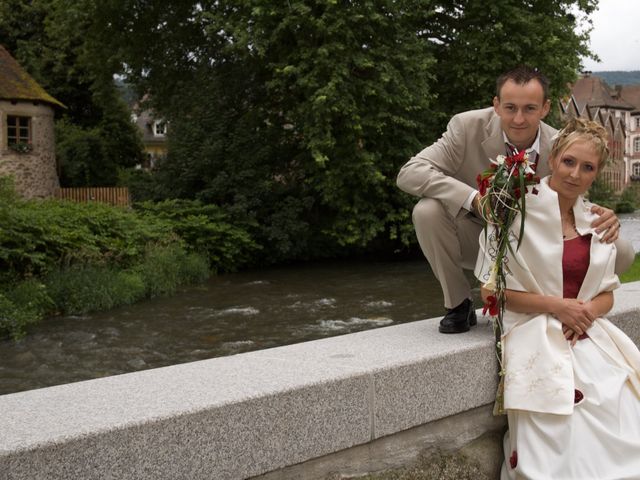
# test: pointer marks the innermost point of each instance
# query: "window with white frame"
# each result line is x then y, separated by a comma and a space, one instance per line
159, 128
636, 144
637, 122
635, 169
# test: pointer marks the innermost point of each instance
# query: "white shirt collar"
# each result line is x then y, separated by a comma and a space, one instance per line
535, 146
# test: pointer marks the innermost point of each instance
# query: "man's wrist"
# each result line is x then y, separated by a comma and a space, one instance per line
475, 203
468, 203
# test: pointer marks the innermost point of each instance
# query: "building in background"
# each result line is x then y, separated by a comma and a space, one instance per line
631, 93
27, 141
618, 110
154, 135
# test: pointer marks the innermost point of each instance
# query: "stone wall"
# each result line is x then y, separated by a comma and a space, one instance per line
35, 173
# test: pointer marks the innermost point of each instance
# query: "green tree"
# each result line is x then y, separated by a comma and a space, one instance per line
628, 201
300, 114
54, 40
475, 41
602, 193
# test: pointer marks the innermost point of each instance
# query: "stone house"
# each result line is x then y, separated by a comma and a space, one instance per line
631, 94
618, 110
27, 143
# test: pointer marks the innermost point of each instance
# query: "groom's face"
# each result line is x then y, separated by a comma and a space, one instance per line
521, 108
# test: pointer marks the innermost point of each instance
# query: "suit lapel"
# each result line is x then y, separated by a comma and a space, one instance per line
493, 145
546, 133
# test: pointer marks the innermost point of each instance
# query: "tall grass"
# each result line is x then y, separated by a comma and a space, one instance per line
79, 289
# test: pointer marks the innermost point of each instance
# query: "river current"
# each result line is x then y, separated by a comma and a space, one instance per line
230, 314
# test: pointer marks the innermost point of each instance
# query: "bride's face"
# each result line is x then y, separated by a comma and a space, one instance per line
574, 170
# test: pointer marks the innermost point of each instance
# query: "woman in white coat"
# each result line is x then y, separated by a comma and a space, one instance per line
571, 378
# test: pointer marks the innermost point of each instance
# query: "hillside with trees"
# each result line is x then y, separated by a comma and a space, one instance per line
620, 77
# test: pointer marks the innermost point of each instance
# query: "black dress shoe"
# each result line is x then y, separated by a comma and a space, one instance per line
459, 319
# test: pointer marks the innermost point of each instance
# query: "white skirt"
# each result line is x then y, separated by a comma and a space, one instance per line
599, 441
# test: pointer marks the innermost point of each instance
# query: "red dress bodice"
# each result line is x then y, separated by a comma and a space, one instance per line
575, 263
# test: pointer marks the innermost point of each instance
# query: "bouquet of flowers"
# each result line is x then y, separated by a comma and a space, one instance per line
503, 187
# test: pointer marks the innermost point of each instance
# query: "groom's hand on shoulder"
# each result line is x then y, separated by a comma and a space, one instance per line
607, 222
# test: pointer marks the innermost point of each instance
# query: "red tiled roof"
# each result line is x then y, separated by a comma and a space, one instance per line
595, 92
631, 94
17, 84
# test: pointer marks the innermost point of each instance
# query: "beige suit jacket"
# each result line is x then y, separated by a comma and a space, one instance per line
447, 169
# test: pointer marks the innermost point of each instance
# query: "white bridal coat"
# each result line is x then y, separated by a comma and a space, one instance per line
536, 355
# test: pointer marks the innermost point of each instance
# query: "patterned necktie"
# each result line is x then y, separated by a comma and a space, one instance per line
511, 149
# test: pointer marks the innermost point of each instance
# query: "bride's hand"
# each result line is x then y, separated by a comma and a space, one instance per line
575, 314
570, 335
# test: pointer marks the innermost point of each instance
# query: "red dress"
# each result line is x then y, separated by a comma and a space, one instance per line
575, 263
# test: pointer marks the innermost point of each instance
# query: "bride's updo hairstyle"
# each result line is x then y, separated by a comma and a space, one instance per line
582, 130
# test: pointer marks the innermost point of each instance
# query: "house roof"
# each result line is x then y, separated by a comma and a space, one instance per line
595, 92
17, 84
631, 94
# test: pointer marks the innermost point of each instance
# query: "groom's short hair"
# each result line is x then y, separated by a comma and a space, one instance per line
522, 75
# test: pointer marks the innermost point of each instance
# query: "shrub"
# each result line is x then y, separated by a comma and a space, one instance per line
85, 288
167, 267
601, 193
206, 229
25, 304
94, 257
81, 289
40, 236
627, 202
624, 206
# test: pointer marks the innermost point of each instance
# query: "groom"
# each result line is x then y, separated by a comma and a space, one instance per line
447, 218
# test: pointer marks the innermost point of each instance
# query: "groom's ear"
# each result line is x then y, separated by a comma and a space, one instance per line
496, 103
545, 108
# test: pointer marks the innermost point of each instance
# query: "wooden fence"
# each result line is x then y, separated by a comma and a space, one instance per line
117, 196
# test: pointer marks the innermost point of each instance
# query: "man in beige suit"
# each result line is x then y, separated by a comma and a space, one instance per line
447, 219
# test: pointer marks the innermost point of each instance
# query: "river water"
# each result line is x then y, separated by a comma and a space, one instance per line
230, 314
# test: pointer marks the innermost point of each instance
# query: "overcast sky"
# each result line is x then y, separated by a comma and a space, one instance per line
615, 37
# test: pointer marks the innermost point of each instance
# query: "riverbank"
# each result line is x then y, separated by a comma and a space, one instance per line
65, 258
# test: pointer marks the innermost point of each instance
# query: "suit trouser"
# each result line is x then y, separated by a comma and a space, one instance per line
450, 245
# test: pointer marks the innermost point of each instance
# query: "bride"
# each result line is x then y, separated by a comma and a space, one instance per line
571, 378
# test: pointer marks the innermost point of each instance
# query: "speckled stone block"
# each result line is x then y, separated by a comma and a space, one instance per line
225, 418
244, 415
438, 385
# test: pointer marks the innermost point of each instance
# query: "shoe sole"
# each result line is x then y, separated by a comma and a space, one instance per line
473, 321
453, 330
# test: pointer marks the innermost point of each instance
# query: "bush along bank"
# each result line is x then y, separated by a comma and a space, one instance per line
59, 257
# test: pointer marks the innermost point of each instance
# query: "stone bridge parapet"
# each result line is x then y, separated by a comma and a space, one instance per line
266, 411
